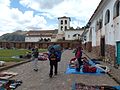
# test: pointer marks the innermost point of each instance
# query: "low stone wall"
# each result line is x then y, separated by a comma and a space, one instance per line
110, 54
43, 45
96, 51
89, 46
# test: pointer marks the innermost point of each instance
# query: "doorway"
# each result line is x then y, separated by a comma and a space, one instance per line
118, 52
102, 46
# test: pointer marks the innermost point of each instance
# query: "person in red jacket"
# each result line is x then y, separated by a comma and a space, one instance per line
78, 55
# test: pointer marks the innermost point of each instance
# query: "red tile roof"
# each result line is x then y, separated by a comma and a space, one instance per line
42, 33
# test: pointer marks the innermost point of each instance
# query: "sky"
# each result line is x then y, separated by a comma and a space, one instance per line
43, 14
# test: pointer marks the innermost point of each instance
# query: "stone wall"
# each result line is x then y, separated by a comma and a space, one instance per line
44, 45
96, 51
110, 54
89, 46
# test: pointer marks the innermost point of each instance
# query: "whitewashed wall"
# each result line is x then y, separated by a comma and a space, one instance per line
69, 34
59, 25
111, 31
34, 39
93, 28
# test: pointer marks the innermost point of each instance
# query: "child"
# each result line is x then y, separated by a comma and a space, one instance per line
53, 62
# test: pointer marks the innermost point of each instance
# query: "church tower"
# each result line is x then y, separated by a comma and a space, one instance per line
63, 24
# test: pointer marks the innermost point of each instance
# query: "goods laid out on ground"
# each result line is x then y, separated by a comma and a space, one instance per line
81, 86
91, 66
6, 84
7, 75
43, 56
2, 63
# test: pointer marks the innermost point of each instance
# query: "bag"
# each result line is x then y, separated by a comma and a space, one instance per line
85, 68
58, 56
89, 69
53, 57
92, 70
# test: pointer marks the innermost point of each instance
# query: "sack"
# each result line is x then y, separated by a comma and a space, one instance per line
89, 69
92, 70
85, 68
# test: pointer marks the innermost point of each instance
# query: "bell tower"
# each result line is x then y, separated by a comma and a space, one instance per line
63, 24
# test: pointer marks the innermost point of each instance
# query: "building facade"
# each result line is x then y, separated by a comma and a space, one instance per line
64, 32
41, 36
104, 31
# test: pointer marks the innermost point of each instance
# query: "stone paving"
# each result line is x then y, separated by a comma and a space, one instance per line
40, 80
114, 73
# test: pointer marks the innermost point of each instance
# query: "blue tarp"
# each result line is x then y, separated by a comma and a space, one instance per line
70, 70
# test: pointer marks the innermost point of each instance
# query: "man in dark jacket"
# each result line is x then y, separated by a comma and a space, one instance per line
53, 62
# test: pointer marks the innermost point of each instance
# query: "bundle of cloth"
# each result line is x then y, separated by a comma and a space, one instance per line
43, 56
58, 50
81, 86
2, 63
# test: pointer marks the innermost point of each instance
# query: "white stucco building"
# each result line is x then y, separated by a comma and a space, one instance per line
104, 30
67, 32
64, 32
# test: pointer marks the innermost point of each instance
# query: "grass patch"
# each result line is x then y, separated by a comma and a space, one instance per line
11, 52
42, 50
6, 54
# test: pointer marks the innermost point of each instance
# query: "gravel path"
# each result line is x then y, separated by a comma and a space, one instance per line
40, 80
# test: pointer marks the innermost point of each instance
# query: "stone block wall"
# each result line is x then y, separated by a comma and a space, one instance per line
96, 51
89, 46
110, 54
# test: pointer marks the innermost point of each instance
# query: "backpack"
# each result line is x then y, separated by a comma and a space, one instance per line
53, 57
58, 55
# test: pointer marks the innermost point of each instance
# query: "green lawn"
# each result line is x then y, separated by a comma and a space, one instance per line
6, 54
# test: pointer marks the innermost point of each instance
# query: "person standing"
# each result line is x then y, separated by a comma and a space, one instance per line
53, 57
78, 55
35, 53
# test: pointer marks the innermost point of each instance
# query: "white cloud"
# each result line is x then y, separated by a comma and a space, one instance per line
12, 19
80, 9
40, 4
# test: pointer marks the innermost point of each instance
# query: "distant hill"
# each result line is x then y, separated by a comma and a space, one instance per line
15, 36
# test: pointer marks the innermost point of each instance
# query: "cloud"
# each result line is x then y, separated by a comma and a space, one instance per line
40, 4
82, 10
12, 19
